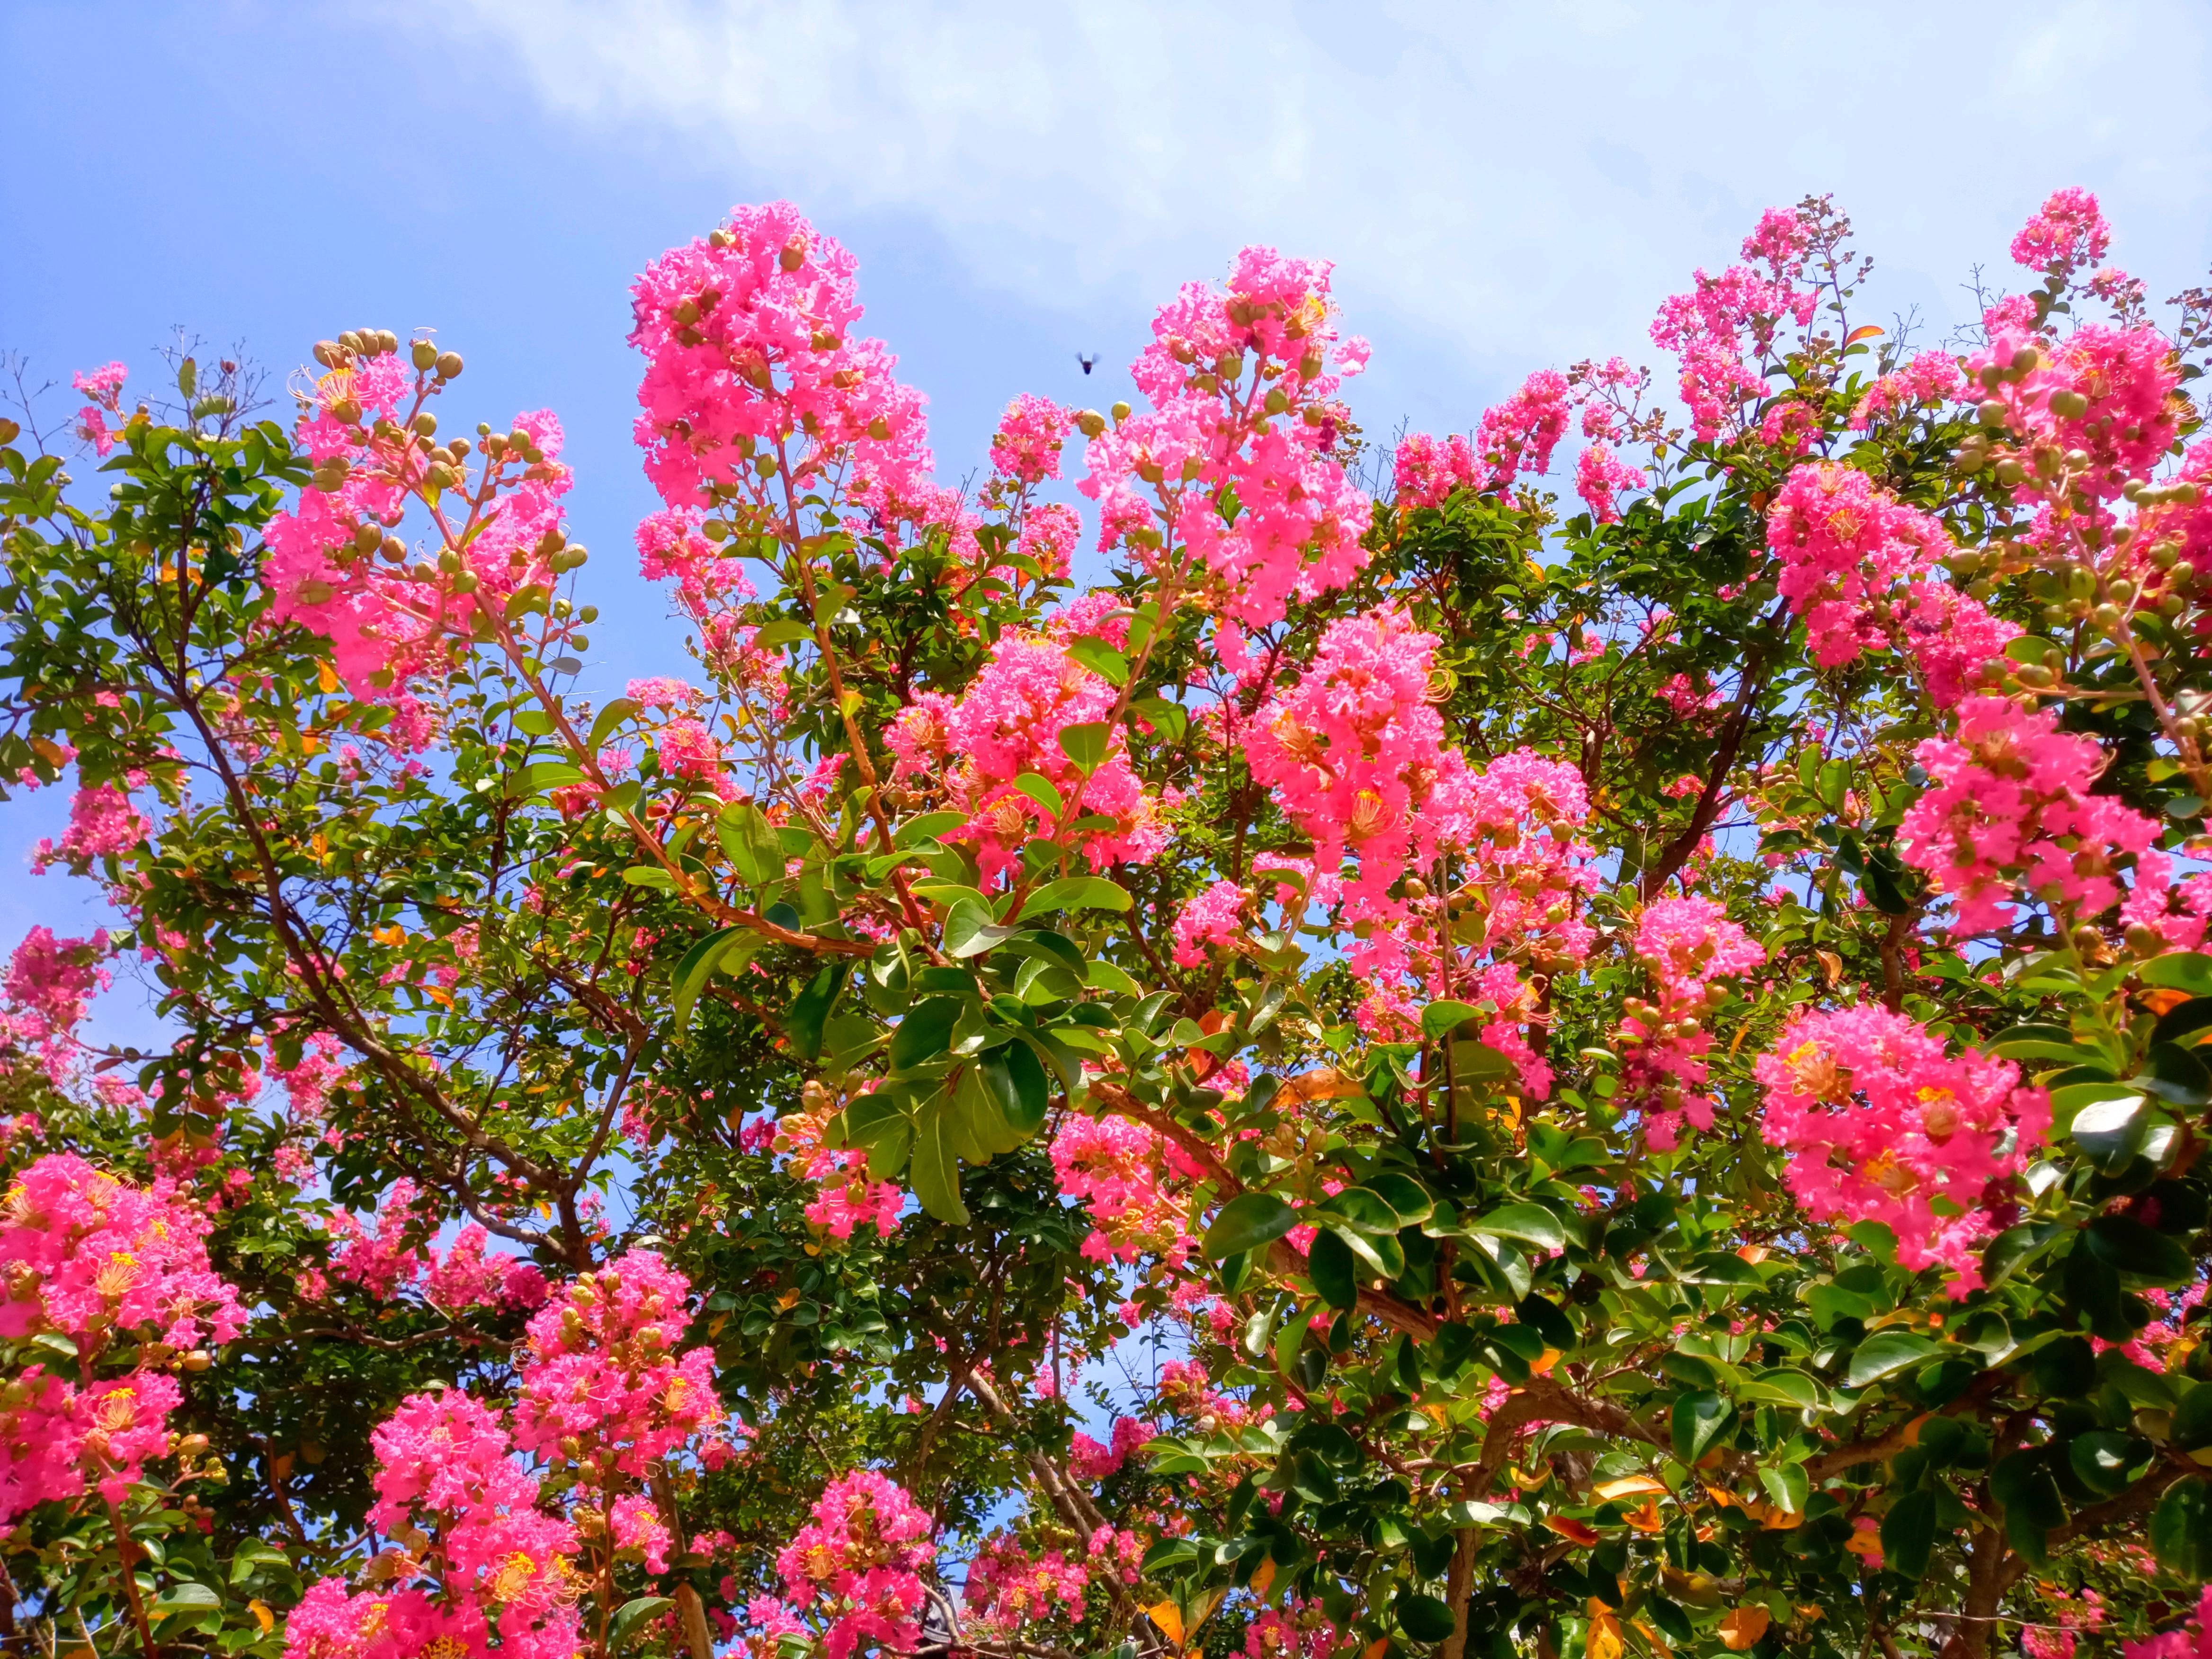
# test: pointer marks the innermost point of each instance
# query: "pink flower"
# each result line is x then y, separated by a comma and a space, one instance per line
1026, 446
83, 1251
1931, 377
1240, 385
2009, 806
687, 751
603, 1372
857, 1565
1599, 473
1883, 1125
2067, 233
1213, 918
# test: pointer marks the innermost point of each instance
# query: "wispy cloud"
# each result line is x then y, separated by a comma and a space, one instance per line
1512, 179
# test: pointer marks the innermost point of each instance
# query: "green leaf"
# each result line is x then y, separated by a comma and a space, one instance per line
649, 875
1424, 1617
1439, 1018
1908, 1533
1361, 1209
693, 972
1075, 893
2109, 1126
1531, 1223
809, 1011
750, 843
1329, 1263
1169, 719
1016, 1078
2182, 970
1697, 1421
969, 931
1883, 1352
186, 1597
2126, 1245
1087, 745
603, 723
925, 1032
2181, 1527
1101, 658
1040, 790
783, 631
631, 1613
1247, 1221
2104, 1460
2035, 1042
2192, 1418
935, 1170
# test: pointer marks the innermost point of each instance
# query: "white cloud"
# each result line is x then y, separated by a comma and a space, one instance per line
1510, 182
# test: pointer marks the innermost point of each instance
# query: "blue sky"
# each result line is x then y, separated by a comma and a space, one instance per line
1504, 187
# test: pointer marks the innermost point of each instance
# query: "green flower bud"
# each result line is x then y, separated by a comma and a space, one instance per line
449, 365
424, 354
2069, 405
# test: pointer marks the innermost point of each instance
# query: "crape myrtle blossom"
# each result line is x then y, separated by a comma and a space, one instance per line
748, 339
1883, 1125
2009, 807
107, 1267
1240, 383
1863, 570
103, 386
1689, 944
855, 1567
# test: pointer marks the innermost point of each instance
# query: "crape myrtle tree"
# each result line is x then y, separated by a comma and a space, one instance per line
1445, 1066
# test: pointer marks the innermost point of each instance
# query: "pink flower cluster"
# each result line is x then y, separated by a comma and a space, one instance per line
89, 1256
1007, 723
101, 821
1231, 463
1296, 1630
1930, 378
856, 1566
485, 1568
2190, 1641
1843, 541
398, 1254
1856, 563
388, 624
1089, 1462
1883, 1125
749, 347
1215, 919
1689, 944
49, 984
1025, 449
1008, 1587
103, 1263
602, 1384
1116, 1168
104, 388
2127, 416
1600, 476
2009, 806
1710, 329
2067, 233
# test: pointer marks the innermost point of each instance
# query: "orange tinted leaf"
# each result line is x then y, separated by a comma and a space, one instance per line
1632, 1485
1264, 1578
1647, 1519
1743, 1627
1604, 1637
1168, 1617
1574, 1531
1864, 331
